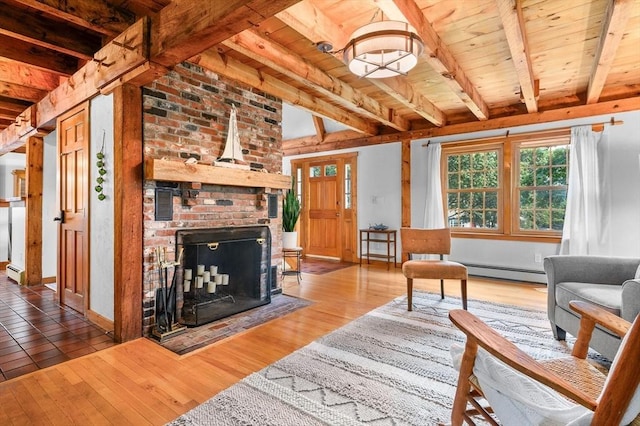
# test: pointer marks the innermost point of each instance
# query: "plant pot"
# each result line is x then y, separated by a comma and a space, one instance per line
290, 239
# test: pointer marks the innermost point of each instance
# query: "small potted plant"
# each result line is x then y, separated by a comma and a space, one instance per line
290, 215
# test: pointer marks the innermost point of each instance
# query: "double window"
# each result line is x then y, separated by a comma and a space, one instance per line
514, 187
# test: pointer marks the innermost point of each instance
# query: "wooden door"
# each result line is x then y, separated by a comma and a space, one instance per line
73, 245
324, 204
328, 218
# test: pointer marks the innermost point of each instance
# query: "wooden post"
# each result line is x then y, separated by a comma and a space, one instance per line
33, 211
127, 191
406, 188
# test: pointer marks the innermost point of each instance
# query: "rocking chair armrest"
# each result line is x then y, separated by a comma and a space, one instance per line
600, 316
480, 334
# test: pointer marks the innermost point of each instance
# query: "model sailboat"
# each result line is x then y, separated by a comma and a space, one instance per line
232, 154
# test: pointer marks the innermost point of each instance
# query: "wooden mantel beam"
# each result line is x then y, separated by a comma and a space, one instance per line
281, 59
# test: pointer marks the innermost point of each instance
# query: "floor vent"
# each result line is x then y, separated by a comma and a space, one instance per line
15, 274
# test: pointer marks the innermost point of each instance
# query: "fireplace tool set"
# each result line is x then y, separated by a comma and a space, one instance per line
166, 307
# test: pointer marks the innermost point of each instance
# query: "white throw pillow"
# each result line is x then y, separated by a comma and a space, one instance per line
637, 273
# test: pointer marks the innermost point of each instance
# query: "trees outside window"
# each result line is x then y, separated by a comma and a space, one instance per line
514, 188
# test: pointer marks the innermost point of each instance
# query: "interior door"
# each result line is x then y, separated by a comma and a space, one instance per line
73, 260
324, 209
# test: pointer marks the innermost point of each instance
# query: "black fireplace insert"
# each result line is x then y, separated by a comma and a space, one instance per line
223, 271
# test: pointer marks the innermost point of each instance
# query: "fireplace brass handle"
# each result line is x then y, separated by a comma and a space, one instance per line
260, 241
213, 246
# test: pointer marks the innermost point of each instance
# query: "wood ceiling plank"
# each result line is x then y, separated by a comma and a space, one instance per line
36, 56
95, 15
514, 29
49, 34
613, 26
404, 92
210, 23
279, 58
240, 72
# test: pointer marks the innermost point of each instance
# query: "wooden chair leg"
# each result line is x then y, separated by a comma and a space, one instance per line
463, 289
441, 289
409, 294
464, 387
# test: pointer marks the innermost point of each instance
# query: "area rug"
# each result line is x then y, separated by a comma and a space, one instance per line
201, 336
317, 266
388, 367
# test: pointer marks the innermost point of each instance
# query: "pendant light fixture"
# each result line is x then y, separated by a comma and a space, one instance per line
383, 49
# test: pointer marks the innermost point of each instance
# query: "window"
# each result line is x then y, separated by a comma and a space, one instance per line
513, 187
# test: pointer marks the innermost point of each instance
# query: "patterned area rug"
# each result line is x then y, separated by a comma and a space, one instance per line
198, 337
389, 367
316, 266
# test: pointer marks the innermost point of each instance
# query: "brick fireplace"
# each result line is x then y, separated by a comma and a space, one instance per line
186, 115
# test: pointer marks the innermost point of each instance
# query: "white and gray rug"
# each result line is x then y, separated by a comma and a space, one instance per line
389, 367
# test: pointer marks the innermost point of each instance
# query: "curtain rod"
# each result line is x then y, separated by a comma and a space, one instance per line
596, 127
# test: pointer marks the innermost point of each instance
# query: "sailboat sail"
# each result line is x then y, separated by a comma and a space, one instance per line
232, 148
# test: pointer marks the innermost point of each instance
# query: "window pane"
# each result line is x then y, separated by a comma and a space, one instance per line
452, 163
542, 177
526, 158
454, 181
560, 155
491, 200
347, 186
478, 180
557, 217
452, 201
542, 156
465, 180
492, 160
542, 220
478, 161
465, 200
478, 200
491, 219
559, 176
330, 170
315, 171
526, 219
526, 199
526, 176
559, 199
542, 199
492, 178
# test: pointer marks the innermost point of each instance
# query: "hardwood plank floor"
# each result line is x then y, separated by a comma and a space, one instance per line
141, 383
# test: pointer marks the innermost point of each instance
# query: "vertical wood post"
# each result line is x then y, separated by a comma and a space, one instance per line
406, 187
127, 191
33, 211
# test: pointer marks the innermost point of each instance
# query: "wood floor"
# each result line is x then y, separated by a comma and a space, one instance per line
140, 383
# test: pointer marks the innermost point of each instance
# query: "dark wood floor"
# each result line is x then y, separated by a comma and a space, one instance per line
141, 383
35, 332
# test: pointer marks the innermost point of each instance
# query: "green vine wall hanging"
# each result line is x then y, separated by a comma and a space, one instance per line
101, 171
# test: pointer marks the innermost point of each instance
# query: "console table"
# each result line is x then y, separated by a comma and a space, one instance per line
387, 236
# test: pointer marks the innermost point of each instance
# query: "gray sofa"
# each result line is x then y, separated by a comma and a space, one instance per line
605, 281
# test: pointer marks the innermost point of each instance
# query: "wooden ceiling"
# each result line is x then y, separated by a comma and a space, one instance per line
487, 63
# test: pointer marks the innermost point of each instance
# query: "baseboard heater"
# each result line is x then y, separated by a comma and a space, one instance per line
15, 274
503, 268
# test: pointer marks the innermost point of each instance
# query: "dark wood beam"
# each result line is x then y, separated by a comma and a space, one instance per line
33, 28
44, 59
18, 91
95, 15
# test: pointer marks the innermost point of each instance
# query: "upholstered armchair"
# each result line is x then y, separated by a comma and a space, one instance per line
612, 283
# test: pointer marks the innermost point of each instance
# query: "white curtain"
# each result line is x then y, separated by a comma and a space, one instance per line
433, 210
584, 220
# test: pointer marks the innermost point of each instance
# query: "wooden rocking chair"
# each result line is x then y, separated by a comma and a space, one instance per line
610, 399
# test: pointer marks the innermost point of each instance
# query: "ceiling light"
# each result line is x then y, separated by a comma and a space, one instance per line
383, 49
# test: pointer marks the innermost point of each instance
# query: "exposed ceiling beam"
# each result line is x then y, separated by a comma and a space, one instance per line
318, 123
613, 25
13, 105
329, 138
281, 59
311, 22
306, 18
209, 23
18, 91
306, 145
18, 73
96, 15
49, 34
404, 92
514, 29
238, 71
36, 56
438, 55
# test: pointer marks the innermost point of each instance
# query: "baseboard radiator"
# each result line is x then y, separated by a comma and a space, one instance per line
15, 274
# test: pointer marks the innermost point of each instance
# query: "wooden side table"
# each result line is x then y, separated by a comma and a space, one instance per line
296, 253
387, 236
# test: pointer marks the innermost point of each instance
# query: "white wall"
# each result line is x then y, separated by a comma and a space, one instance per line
379, 175
49, 207
8, 163
101, 212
